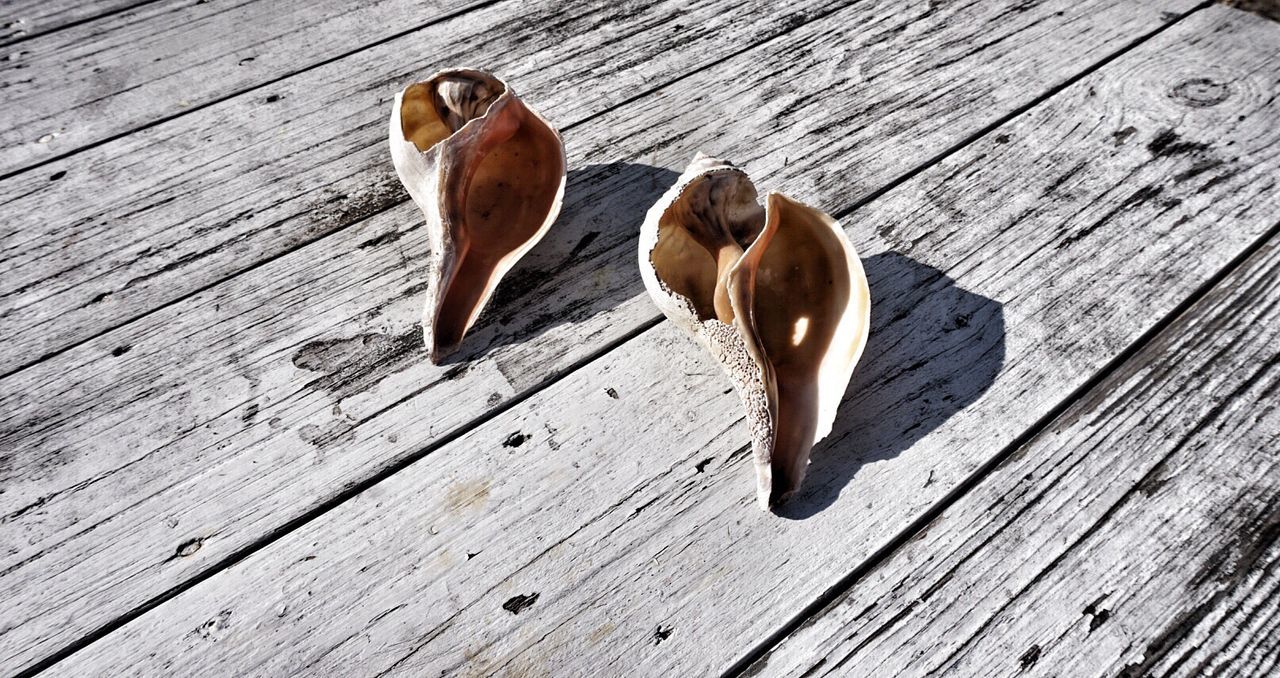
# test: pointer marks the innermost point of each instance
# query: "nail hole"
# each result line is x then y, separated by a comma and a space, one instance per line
189, 547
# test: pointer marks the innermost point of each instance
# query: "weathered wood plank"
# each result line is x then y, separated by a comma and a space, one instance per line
106, 235
605, 523
24, 19
186, 390
1139, 535
304, 378
101, 79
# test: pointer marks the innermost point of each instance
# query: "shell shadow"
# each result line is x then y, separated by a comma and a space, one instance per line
586, 264
934, 348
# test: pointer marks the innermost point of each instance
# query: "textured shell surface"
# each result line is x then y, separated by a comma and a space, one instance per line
775, 292
488, 173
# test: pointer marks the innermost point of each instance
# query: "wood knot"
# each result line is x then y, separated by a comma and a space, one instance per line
188, 547
1200, 93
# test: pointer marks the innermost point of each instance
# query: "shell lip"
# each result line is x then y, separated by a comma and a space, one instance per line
467, 128
508, 94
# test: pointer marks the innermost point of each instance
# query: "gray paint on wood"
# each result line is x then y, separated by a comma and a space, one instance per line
630, 533
1138, 535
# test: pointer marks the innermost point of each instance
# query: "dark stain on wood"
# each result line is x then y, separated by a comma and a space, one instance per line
380, 240
1197, 168
1225, 570
355, 364
520, 603
1066, 177
380, 195
1030, 657
582, 244
1226, 175
1168, 143
516, 439
1152, 482
325, 436
662, 634
1135, 200
1122, 135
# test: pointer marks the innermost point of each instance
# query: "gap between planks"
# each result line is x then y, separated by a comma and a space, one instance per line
297, 523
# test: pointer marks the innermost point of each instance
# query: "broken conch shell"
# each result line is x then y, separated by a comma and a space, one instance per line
488, 173
776, 293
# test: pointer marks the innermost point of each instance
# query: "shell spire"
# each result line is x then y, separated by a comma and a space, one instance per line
488, 174
775, 292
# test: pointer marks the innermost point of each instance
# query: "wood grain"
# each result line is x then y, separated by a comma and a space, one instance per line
1138, 535
102, 237
218, 421
105, 78
255, 352
605, 523
25, 19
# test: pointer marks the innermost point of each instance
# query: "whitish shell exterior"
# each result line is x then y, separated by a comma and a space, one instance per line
737, 350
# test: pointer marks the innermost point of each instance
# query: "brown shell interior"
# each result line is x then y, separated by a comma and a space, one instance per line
702, 234
802, 288
498, 187
785, 270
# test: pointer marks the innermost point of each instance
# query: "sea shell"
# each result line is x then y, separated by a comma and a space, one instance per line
777, 294
488, 173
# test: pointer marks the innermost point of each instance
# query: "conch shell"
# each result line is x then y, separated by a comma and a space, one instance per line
488, 173
776, 293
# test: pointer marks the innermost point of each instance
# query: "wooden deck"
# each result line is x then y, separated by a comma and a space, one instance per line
223, 451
